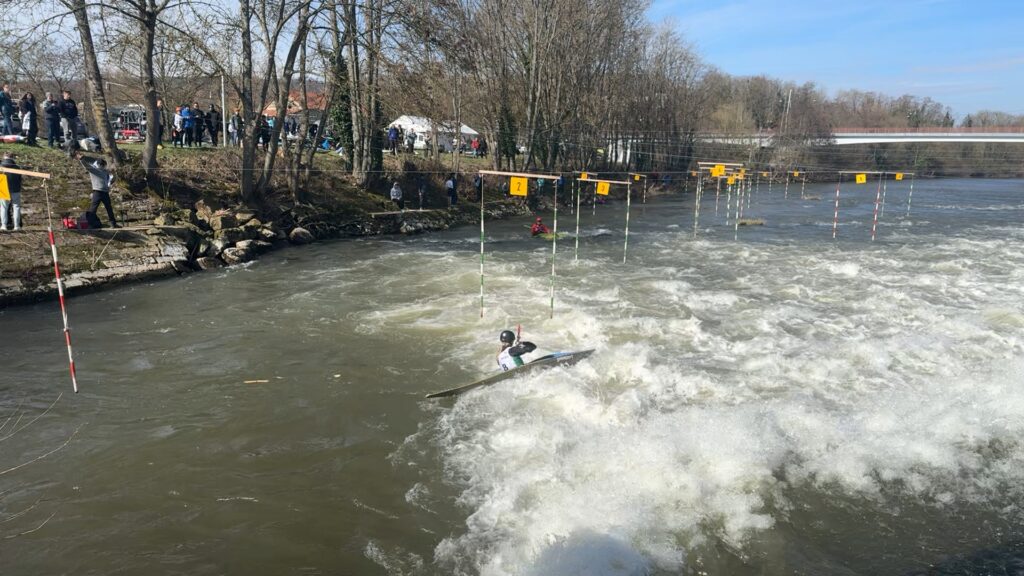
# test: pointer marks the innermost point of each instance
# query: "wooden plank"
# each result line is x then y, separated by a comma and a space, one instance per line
43, 175
599, 180
519, 174
407, 211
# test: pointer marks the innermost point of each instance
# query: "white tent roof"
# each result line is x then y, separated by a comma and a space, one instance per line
422, 125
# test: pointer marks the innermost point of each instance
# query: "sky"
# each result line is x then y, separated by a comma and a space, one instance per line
966, 54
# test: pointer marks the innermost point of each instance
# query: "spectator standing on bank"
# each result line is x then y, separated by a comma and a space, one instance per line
235, 128
69, 119
393, 140
14, 190
159, 124
451, 187
198, 124
410, 141
421, 188
213, 121
396, 196
101, 179
51, 112
29, 122
478, 185
187, 120
177, 125
7, 110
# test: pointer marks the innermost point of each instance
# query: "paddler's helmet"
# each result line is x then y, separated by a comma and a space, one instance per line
507, 337
538, 219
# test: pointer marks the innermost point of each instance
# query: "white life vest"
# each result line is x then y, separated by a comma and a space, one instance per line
508, 361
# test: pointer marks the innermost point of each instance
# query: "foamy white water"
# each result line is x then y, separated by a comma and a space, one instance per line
735, 382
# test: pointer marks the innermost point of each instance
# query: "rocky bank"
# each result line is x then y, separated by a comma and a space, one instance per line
181, 241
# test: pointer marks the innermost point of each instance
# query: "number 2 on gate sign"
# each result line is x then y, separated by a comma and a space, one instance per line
518, 186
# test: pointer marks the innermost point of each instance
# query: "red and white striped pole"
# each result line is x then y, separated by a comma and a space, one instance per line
835, 219
878, 200
60, 290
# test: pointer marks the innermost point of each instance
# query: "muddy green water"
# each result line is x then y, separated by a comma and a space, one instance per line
779, 403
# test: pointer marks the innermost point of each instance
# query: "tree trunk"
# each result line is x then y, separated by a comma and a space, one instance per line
97, 97
282, 88
355, 93
247, 187
147, 21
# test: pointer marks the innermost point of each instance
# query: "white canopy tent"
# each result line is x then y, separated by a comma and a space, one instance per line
423, 126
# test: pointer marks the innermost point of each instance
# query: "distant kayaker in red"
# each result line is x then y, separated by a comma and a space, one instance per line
539, 228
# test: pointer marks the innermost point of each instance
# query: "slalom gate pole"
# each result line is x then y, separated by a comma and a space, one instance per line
728, 202
554, 246
60, 288
594, 209
645, 191
625, 244
739, 213
803, 184
878, 200
835, 219
718, 190
572, 194
696, 204
885, 186
786, 192
481, 251
579, 198
911, 196
771, 178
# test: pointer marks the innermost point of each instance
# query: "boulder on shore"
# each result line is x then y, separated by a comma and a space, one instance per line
236, 255
300, 236
209, 263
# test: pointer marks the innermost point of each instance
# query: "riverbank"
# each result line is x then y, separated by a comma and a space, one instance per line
195, 223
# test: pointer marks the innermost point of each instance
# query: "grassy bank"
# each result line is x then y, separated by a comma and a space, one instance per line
191, 218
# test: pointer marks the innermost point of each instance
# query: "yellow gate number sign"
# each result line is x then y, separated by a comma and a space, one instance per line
5, 194
862, 178
718, 170
602, 188
899, 175
796, 173
730, 180
636, 177
518, 186
584, 176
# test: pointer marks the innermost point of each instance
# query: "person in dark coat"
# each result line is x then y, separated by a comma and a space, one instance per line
29, 122
213, 121
51, 113
7, 110
198, 124
69, 118
159, 123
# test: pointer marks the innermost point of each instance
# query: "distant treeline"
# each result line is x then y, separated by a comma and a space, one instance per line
551, 85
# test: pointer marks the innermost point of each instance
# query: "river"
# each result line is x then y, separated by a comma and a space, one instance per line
765, 400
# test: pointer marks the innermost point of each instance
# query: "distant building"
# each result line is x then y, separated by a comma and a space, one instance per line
425, 128
316, 102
